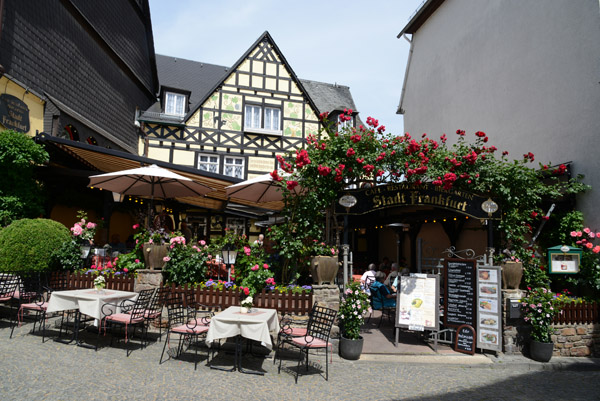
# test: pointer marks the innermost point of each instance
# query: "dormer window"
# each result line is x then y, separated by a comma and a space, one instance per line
175, 104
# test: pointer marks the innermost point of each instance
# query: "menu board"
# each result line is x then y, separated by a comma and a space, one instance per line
459, 294
465, 339
489, 306
418, 302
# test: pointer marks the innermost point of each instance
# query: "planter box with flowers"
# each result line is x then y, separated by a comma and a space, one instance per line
324, 263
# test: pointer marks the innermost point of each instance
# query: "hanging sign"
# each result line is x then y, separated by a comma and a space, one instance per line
14, 113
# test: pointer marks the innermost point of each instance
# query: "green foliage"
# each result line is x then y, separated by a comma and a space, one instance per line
129, 263
28, 244
539, 308
353, 309
20, 193
67, 256
185, 263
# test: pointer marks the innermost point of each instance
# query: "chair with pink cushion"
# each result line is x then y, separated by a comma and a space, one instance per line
190, 322
29, 291
155, 308
9, 284
317, 337
132, 314
288, 331
34, 301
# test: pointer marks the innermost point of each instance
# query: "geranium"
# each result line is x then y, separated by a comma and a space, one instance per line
353, 309
539, 308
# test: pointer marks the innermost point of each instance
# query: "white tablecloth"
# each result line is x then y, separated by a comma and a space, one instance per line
88, 301
255, 326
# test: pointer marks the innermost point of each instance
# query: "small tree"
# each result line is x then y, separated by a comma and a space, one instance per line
20, 192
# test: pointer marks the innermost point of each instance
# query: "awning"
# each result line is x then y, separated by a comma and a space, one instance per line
110, 160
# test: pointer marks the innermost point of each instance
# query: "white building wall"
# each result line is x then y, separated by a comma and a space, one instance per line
525, 72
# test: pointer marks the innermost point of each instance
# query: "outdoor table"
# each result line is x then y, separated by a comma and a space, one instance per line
255, 325
87, 302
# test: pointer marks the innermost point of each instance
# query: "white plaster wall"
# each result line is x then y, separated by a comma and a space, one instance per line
525, 72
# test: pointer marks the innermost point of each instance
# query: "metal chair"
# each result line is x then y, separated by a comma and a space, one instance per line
29, 291
37, 293
9, 283
132, 314
155, 308
189, 321
317, 337
379, 301
287, 331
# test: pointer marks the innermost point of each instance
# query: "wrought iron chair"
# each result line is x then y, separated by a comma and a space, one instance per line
9, 283
132, 314
287, 331
29, 290
379, 301
317, 337
34, 301
189, 321
154, 311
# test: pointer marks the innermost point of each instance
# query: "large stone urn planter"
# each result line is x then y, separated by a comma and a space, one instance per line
512, 272
324, 269
154, 254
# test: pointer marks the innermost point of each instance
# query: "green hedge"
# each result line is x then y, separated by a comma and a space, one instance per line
28, 244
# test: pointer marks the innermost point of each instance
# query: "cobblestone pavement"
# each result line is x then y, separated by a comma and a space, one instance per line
33, 370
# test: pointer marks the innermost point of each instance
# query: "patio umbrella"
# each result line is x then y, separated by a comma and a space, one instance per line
152, 181
259, 189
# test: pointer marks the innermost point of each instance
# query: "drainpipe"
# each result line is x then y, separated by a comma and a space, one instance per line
410, 53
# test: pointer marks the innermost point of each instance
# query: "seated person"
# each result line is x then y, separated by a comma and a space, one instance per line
370, 273
390, 277
405, 272
382, 297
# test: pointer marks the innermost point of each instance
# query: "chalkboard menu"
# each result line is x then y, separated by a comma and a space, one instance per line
465, 339
459, 294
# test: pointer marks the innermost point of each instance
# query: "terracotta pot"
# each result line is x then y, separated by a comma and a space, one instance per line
512, 272
541, 352
324, 269
351, 349
154, 254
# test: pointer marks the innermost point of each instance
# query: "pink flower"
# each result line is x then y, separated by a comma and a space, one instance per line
90, 225
166, 259
254, 268
76, 230
247, 250
586, 230
137, 261
246, 291
592, 234
596, 249
573, 233
589, 245
202, 242
333, 251
579, 234
109, 265
136, 226
125, 269
266, 266
291, 185
150, 241
93, 267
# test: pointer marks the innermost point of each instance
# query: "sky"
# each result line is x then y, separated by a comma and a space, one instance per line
352, 43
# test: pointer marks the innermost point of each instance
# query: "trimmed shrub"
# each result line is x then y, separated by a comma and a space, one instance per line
28, 244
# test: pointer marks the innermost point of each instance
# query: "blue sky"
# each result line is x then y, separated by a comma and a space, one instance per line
351, 43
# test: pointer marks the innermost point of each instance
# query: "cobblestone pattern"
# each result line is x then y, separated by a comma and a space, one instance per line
55, 371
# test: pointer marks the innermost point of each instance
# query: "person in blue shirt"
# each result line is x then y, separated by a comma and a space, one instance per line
382, 296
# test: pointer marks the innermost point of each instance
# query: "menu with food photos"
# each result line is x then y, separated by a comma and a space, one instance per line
417, 302
489, 308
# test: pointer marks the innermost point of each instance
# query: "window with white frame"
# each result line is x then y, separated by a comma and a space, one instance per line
208, 163
262, 119
253, 114
174, 104
236, 224
344, 124
234, 167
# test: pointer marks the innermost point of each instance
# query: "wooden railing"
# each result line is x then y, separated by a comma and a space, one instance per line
74, 281
299, 304
579, 313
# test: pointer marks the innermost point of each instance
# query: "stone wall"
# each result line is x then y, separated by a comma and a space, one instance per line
147, 278
569, 339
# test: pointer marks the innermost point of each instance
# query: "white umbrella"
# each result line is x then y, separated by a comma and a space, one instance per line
150, 181
259, 189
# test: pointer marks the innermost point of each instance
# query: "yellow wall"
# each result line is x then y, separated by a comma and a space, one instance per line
34, 103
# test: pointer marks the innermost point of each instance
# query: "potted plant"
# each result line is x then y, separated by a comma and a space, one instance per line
512, 270
539, 308
324, 263
353, 309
